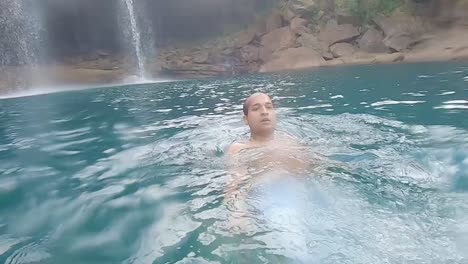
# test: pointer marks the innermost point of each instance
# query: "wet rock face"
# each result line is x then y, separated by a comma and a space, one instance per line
293, 58
333, 33
342, 50
277, 39
372, 42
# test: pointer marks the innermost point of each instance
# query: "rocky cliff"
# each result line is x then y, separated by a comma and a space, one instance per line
308, 33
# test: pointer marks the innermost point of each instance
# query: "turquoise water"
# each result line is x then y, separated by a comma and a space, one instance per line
136, 174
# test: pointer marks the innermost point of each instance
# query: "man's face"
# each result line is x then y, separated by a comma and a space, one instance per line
261, 116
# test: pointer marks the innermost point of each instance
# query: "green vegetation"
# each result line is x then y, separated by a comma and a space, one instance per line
366, 10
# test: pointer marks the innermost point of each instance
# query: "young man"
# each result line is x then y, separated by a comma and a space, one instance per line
265, 162
275, 151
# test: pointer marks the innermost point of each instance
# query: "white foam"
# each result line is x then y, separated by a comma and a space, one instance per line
447, 93
415, 94
452, 106
456, 102
425, 76
392, 102
337, 96
315, 106
200, 109
163, 110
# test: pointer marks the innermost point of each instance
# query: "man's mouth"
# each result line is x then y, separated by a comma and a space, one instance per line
265, 120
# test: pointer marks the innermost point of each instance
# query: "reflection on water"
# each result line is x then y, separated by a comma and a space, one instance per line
137, 175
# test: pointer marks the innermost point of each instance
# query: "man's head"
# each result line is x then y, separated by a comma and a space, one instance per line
260, 114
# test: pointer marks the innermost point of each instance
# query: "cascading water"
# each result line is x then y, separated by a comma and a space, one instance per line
135, 36
20, 25
21, 44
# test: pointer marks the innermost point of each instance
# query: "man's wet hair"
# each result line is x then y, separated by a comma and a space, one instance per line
245, 107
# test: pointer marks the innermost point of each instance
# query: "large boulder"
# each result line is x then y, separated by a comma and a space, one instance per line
447, 12
288, 14
401, 31
293, 58
342, 50
274, 21
310, 41
299, 25
400, 23
333, 33
400, 42
277, 39
250, 53
372, 42
245, 37
460, 13
327, 55
201, 57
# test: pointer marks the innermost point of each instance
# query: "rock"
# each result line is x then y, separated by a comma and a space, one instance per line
342, 50
299, 25
386, 58
250, 53
310, 41
344, 16
293, 58
460, 13
260, 27
399, 23
201, 57
228, 51
400, 31
288, 14
280, 38
186, 59
372, 42
327, 55
333, 33
245, 37
399, 42
274, 21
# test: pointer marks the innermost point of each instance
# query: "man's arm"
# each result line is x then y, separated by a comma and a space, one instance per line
236, 170
235, 197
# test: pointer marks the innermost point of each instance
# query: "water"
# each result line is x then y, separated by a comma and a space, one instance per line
21, 25
135, 37
136, 174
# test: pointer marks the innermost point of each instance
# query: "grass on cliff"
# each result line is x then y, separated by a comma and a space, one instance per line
366, 10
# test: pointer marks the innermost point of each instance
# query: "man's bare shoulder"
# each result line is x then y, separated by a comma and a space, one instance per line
236, 148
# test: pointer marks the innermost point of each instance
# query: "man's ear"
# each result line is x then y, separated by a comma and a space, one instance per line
245, 120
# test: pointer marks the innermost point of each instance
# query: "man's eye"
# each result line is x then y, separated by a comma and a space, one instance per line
269, 106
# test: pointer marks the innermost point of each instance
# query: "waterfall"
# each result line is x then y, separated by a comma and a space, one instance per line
21, 29
136, 41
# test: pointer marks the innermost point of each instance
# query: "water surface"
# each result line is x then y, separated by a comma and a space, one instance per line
136, 174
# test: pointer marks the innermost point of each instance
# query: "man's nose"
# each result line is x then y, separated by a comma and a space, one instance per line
264, 111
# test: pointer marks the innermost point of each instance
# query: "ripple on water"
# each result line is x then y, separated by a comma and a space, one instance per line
453, 104
393, 102
153, 191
